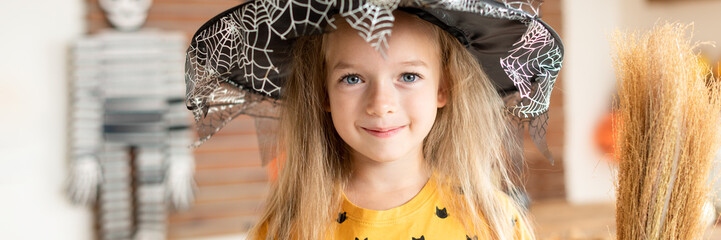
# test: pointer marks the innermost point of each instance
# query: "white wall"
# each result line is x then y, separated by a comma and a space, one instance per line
588, 81
33, 78
704, 14
589, 76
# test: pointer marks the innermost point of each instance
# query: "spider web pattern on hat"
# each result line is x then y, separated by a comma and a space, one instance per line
238, 64
535, 57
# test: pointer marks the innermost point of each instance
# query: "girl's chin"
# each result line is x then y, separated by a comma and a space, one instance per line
382, 157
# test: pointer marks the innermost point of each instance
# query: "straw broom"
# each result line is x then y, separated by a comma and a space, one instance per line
668, 107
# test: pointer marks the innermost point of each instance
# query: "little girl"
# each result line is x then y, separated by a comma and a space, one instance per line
390, 126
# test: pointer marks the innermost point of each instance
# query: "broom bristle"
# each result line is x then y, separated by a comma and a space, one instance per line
667, 134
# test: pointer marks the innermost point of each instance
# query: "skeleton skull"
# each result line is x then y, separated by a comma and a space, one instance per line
126, 15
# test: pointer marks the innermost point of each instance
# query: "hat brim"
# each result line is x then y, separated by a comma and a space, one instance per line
238, 61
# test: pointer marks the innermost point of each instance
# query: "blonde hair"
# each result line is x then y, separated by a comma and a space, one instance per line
466, 149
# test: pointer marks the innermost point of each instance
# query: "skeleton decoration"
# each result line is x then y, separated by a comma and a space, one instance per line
130, 130
126, 15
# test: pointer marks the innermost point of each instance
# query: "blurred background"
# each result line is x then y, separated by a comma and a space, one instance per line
572, 199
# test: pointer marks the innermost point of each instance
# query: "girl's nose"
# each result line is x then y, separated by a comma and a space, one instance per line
382, 99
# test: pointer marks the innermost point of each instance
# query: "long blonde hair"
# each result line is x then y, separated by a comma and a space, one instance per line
466, 149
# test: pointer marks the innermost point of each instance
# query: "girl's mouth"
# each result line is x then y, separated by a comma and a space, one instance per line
384, 133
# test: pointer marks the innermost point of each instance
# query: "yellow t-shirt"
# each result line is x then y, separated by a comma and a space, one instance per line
423, 217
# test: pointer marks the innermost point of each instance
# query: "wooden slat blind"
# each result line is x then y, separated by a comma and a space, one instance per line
231, 181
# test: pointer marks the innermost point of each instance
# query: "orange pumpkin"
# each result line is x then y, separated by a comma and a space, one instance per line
604, 136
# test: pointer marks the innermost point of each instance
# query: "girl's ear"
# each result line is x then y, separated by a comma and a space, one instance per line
442, 93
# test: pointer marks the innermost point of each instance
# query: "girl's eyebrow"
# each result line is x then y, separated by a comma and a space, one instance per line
416, 63
342, 65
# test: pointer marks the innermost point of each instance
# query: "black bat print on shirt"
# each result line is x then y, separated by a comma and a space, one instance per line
441, 213
341, 217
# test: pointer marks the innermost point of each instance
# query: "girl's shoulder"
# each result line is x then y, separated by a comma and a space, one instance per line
522, 228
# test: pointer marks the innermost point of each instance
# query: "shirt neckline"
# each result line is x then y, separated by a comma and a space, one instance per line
393, 215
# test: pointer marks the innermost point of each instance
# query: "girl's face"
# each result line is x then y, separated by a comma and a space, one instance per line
383, 108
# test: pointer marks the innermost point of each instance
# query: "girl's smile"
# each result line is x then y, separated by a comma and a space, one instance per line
384, 132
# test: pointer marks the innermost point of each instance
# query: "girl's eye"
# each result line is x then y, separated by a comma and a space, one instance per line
409, 77
351, 79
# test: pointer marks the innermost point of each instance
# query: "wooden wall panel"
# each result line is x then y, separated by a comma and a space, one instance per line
181, 15
231, 181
